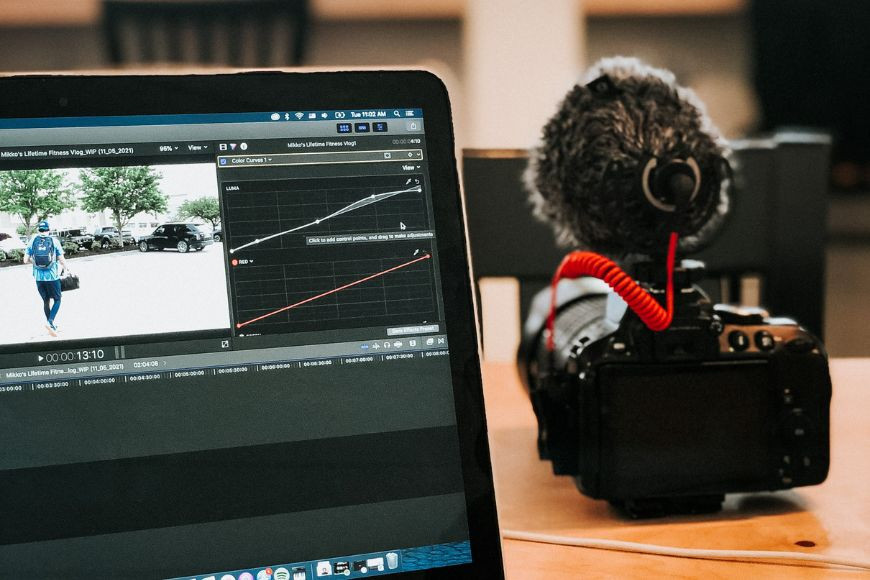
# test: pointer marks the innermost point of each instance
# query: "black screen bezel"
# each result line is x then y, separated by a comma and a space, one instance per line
79, 96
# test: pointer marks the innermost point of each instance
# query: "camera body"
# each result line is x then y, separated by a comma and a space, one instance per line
725, 400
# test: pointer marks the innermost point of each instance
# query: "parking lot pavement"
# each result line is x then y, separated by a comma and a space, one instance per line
121, 294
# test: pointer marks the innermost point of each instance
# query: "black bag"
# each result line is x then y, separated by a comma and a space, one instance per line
68, 282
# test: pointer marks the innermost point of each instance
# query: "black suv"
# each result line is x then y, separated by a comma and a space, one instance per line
181, 236
77, 236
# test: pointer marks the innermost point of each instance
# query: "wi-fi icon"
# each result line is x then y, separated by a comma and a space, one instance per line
300, 115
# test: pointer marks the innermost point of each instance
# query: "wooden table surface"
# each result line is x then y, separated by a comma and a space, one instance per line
835, 515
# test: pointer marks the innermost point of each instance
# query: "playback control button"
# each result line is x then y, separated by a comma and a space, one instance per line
796, 429
738, 340
764, 341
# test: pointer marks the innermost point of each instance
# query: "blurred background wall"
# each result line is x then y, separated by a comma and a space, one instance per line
705, 42
473, 43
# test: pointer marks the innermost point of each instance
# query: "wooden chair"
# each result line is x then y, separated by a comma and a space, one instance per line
240, 33
771, 252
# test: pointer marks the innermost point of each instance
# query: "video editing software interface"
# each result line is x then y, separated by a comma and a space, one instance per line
257, 384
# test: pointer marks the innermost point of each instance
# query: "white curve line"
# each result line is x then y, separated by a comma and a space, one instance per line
373, 198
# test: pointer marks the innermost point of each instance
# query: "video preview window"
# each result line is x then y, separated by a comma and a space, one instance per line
144, 241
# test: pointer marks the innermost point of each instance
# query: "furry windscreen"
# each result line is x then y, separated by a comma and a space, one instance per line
584, 176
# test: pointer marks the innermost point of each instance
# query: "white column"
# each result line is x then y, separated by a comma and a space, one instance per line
521, 57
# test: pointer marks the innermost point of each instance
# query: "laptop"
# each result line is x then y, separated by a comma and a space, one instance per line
269, 368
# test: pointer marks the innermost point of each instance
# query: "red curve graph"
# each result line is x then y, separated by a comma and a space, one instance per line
334, 290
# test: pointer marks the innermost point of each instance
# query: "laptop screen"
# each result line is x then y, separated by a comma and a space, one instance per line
223, 342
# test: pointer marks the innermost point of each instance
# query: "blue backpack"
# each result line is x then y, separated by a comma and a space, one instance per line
43, 253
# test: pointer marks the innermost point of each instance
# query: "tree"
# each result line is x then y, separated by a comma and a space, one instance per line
204, 208
122, 191
34, 195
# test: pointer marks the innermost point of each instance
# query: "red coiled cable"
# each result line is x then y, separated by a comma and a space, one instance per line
646, 307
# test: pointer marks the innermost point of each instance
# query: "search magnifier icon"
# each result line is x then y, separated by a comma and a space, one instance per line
396, 113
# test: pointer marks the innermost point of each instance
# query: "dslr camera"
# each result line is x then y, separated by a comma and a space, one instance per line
665, 416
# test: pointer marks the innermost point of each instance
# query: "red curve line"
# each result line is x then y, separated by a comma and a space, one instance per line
333, 291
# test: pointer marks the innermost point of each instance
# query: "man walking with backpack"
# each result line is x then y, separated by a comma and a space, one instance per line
46, 252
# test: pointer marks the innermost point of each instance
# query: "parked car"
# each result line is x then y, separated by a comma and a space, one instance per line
106, 236
181, 236
77, 236
218, 234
